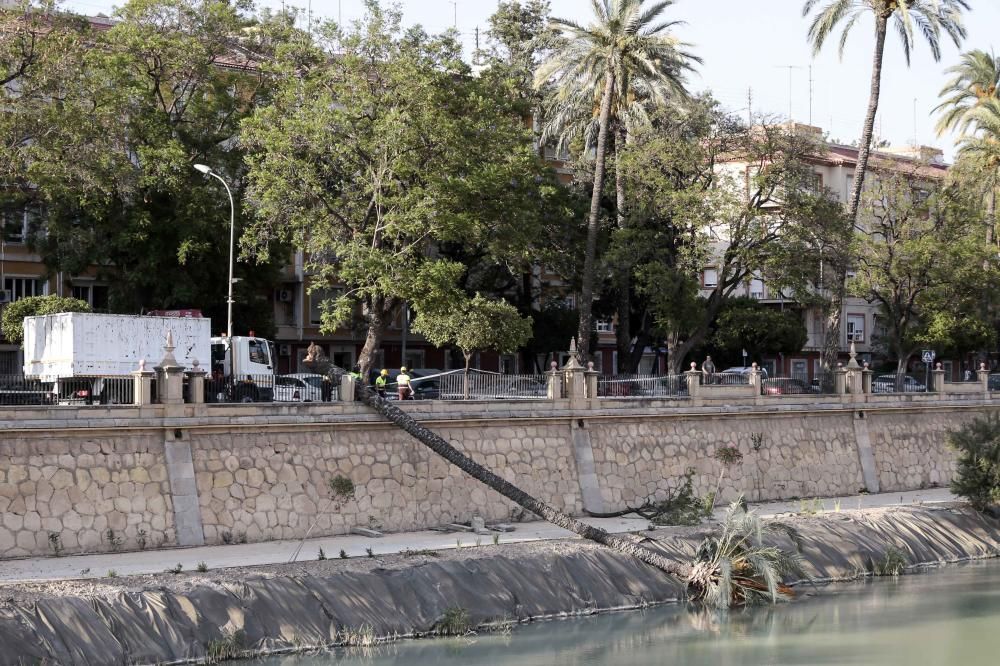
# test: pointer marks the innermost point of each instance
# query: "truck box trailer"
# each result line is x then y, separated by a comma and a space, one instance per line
78, 344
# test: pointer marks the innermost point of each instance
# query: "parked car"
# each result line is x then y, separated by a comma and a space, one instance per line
785, 386
298, 387
734, 376
897, 384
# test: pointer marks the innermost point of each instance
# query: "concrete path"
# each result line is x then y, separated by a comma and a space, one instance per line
280, 552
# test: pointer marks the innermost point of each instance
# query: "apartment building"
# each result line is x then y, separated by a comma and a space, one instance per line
834, 169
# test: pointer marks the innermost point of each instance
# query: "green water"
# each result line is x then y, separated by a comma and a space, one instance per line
949, 616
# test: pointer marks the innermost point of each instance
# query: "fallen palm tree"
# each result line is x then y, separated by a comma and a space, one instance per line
732, 565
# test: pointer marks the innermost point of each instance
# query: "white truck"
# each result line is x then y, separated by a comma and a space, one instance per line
89, 357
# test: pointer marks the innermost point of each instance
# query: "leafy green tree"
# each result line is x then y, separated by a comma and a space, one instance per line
375, 161
745, 324
110, 156
686, 200
978, 163
477, 324
929, 18
12, 320
917, 256
628, 46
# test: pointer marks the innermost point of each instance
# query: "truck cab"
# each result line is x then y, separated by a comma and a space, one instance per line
242, 370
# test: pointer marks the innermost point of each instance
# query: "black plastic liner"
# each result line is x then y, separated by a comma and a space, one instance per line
289, 612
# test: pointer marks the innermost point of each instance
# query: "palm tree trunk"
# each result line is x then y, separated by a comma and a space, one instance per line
594, 225
623, 329
831, 342
442, 448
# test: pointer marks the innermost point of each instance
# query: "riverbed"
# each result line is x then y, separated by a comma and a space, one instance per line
948, 615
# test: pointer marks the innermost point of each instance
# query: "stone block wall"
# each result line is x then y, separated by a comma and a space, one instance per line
100, 492
800, 455
193, 474
274, 483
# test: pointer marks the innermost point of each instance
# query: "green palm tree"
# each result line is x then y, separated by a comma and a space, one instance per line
627, 48
928, 17
976, 79
979, 156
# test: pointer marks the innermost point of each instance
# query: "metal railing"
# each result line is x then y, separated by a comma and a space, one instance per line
898, 383
993, 383
726, 378
642, 386
18, 390
483, 385
788, 386
246, 389
98, 390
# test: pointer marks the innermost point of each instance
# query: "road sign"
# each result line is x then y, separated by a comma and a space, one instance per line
928, 356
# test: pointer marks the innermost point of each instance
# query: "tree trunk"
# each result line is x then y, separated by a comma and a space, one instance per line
373, 339
586, 304
515, 494
831, 341
465, 381
623, 306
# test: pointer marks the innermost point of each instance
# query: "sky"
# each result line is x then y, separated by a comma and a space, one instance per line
748, 47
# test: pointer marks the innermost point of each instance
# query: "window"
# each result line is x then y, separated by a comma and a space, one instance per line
258, 352
414, 358
508, 364
316, 299
95, 295
757, 288
800, 370
24, 287
710, 278
848, 186
604, 326
14, 224
855, 328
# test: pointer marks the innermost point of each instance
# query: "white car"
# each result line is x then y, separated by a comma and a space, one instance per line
298, 387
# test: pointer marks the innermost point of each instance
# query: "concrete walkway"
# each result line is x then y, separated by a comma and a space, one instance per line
280, 552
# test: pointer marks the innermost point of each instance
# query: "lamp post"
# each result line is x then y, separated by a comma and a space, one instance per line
207, 170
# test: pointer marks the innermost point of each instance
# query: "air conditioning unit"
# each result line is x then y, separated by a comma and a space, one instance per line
285, 350
285, 295
5, 296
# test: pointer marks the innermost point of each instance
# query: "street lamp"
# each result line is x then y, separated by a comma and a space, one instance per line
207, 170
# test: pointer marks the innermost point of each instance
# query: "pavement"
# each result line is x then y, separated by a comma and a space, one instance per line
281, 552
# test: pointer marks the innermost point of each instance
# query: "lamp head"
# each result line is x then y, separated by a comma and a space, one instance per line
203, 168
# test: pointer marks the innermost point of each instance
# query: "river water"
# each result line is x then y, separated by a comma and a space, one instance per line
947, 616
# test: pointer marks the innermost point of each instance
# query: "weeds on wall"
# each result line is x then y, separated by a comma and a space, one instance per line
56, 544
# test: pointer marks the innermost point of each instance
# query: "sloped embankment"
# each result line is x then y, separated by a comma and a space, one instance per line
166, 618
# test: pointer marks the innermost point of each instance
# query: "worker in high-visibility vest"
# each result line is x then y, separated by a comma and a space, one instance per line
381, 381
403, 384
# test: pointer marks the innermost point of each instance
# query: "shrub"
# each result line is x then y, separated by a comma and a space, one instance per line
12, 321
978, 476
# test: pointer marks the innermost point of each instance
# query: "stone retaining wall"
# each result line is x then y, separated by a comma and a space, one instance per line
209, 474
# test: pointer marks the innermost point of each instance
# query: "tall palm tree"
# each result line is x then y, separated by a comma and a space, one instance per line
928, 17
975, 79
626, 47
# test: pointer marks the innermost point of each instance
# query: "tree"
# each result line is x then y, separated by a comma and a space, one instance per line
377, 159
109, 161
975, 80
745, 324
692, 207
477, 324
930, 18
12, 320
917, 256
627, 43
979, 158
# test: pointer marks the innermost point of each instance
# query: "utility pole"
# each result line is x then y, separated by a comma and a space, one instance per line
750, 107
454, 5
790, 82
915, 144
810, 94
475, 56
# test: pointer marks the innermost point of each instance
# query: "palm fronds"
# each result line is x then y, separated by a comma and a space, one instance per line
929, 18
735, 567
975, 80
